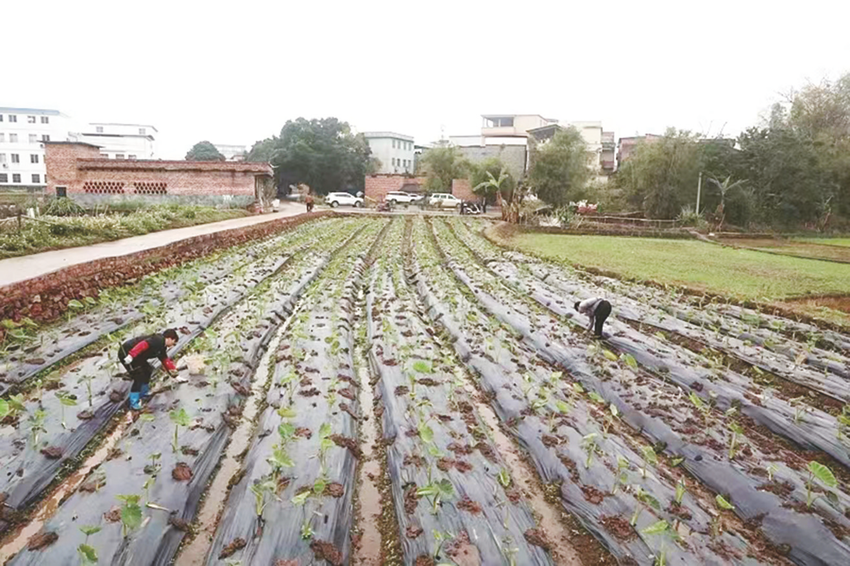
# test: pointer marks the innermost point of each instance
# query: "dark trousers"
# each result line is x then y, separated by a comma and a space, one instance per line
139, 370
603, 309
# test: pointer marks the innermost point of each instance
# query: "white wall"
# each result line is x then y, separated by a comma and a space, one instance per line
56, 128
394, 153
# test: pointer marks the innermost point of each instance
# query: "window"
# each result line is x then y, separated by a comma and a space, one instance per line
45, 119
33, 138
104, 155
13, 118
131, 156
16, 158
16, 177
45, 137
61, 191
30, 119
1, 117
4, 178
99, 129
119, 156
141, 131
36, 178
2, 138
34, 158
13, 138
2, 158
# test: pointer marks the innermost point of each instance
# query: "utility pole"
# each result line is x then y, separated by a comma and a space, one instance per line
699, 189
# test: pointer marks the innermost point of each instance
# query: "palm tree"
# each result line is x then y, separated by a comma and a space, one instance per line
726, 186
491, 186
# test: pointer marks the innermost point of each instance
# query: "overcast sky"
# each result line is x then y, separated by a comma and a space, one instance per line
235, 71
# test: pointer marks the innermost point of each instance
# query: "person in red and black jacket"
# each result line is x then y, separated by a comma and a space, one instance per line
134, 355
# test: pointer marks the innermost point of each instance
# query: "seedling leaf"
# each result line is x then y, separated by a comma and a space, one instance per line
723, 504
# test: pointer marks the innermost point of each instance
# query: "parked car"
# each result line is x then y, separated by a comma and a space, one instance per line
444, 200
343, 199
400, 197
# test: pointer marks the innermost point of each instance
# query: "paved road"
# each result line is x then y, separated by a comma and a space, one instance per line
17, 269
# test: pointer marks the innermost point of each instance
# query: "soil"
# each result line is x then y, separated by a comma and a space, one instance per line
179, 524
537, 537
324, 550
85, 415
41, 540
424, 560
230, 549
783, 489
347, 442
182, 472
413, 531
619, 527
113, 515
334, 489
469, 505
592, 494
52, 452
411, 499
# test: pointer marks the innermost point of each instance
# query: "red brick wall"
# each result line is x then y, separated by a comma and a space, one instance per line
72, 165
463, 190
377, 186
45, 298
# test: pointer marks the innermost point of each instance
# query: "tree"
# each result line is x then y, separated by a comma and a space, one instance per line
489, 178
441, 165
661, 175
263, 151
724, 187
204, 151
558, 171
322, 153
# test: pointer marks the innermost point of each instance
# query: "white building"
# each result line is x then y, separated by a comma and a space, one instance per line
394, 151
121, 141
232, 152
21, 152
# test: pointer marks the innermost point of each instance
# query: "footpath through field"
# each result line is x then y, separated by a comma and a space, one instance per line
16, 269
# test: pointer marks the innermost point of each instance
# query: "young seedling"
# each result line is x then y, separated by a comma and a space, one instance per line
737, 432
37, 424
622, 477
440, 539
660, 528
644, 497
307, 531
436, 491
262, 490
12, 406
799, 408
179, 418
649, 459
65, 400
680, 492
588, 443
131, 513
88, 381
821, 473
88, 555
325, 442
155, 466
504, 478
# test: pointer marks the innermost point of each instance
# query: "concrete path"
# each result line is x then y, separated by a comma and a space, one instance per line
17, 269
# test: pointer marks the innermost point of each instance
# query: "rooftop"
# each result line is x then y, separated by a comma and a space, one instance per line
37, 111
120, 124
387, 135
162, 165
69, 143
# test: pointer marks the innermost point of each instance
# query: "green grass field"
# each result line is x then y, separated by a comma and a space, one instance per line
742, 274
843, 242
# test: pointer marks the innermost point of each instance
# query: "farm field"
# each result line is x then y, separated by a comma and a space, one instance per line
748, 275
813, 248
362, 390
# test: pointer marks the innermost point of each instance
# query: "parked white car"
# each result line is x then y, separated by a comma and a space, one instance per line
343, 199
444, 200
399, 197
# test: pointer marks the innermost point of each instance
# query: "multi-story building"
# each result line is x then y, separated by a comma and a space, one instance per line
121, 141
232, 152
22, 131
394, 151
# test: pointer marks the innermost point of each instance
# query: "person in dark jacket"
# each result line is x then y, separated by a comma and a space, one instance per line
134, 355
597, 310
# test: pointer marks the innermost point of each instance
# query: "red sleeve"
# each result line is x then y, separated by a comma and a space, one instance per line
139, 348
168, 364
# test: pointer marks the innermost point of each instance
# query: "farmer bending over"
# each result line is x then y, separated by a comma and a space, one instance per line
134, 355
597, 310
